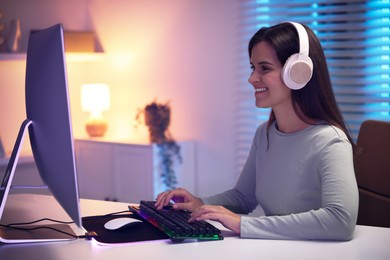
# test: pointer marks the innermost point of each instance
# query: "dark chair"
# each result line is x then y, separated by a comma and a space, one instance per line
372, 168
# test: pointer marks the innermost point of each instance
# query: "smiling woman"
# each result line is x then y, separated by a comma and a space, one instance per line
357, 56
300, 168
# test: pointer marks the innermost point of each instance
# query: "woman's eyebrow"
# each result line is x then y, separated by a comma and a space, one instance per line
262, 63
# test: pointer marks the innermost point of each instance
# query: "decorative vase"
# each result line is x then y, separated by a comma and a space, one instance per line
13, 42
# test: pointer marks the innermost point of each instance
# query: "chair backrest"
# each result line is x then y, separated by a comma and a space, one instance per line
372, 169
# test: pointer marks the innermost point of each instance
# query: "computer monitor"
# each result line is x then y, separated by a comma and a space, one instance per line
48, 123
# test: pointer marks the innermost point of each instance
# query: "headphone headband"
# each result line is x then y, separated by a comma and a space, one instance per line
303, 38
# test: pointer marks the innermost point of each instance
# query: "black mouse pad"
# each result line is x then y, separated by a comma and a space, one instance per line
140, 232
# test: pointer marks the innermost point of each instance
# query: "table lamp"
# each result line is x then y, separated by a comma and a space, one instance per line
95, 98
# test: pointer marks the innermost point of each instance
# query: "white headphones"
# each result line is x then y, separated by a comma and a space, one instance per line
298, 69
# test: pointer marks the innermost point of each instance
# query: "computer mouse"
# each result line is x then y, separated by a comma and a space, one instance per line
117, 223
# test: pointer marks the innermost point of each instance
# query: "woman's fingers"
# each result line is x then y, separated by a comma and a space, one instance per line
226, 217
163, 199
204, 212
182, 198
177, 195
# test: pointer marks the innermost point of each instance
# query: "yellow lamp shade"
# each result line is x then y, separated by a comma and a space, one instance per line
95, 98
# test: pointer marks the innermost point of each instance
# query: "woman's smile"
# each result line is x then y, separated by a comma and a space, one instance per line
260, 92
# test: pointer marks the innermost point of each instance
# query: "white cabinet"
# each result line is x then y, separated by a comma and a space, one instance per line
127, 172
26, 175
114, 171
133, 167
94, 170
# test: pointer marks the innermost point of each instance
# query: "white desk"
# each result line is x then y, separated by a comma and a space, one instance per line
368, 242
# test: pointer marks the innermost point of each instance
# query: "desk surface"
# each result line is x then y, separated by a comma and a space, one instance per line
368, 242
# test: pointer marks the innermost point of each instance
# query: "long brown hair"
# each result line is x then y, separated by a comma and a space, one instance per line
316, 100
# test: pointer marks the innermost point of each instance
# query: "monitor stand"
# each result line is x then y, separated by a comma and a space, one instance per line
13, 235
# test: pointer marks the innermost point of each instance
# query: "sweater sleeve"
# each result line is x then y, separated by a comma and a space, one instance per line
334, 220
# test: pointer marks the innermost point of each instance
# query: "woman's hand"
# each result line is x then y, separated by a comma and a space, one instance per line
226, 217
186, 201
182, 198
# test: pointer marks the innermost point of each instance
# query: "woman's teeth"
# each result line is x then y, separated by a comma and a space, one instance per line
260, 89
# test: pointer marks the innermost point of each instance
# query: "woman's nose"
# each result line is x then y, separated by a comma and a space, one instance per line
253, 78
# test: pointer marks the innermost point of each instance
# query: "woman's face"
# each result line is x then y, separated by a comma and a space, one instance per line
270, 90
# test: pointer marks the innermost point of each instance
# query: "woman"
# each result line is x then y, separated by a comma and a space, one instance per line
300, 166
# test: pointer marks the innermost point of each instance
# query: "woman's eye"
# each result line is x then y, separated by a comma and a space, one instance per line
265, 69
260, 69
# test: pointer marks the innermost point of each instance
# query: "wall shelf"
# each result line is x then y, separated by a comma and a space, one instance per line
12, 56
73, 56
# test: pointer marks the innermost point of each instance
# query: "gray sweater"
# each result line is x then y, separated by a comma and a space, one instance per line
303, 181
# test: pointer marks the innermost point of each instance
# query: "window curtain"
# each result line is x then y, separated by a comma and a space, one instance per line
355, 36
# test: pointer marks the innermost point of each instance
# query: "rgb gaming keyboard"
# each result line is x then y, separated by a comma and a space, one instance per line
174, 223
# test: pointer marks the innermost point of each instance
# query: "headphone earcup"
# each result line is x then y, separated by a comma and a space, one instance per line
297, 71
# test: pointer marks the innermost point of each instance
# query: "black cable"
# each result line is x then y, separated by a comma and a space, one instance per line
88, 235
108, 215
40, 220
35, 228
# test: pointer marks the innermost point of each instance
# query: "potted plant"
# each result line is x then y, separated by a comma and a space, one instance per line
157, 119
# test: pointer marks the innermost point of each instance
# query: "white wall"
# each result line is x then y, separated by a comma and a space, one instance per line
182, 51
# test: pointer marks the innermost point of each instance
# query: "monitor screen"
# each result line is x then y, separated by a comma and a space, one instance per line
48, 122
47, 106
